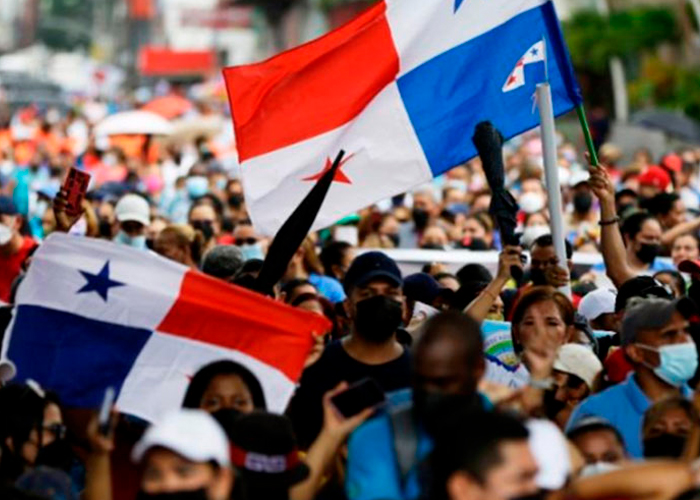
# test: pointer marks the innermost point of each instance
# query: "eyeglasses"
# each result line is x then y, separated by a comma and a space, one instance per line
58, 430
246, 241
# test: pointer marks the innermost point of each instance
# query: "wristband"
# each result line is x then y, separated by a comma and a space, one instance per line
609, 222
544, 384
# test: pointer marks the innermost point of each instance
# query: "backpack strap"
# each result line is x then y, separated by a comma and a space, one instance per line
405, 438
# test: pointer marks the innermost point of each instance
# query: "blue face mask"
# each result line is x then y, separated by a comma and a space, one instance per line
678, 362
197, 186
253, 251
131, 241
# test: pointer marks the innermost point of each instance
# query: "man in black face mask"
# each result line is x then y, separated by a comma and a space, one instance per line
376, 307
387, 455
667, 425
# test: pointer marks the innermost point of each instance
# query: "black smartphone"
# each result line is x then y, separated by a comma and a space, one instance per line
363, 394
105, 416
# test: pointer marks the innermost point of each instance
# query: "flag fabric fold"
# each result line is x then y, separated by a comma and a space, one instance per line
400, 89
92, 314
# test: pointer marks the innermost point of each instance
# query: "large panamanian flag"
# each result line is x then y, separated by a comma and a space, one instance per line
400, 89
92, 314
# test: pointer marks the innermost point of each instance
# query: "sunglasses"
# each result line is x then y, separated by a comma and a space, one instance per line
246, 241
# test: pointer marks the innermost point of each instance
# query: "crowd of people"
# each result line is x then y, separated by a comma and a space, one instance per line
599, 400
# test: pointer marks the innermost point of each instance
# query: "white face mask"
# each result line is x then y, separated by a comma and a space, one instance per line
598, 468
5, 234
531, 233
531, 202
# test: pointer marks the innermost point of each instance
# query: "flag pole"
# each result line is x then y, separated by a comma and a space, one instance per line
581, 112
551, 171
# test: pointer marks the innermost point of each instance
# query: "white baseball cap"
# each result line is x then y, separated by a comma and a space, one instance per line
597, 302
192, 434
551, 451
132, 207
579, 360
579, 176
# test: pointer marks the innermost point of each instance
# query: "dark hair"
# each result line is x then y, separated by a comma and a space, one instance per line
458, 327
596, 425
632, 224
538, 294
222, 261
677, 278
202, 379
546, 241
474, 272
625, 192
467, 293
291, 285
332, 254
470, 443
658, 409
22, 412
440, 276
661, 204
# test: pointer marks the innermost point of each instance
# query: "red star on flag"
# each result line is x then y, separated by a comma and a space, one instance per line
339, 174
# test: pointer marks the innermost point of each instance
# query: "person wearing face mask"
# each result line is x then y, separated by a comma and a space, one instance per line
666, 428
425, 210
185, 457
248, 241
600, 444
376, 306
670, 211
14, 246
203, 218
656, 342
584, 218
576, 376
133, 215
448, 364
630, 249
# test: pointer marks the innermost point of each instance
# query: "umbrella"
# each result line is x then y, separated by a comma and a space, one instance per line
188, 129
674, 124
134, 123
168, 107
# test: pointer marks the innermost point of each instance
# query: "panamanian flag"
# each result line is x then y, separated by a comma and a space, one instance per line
92, 314
400, 89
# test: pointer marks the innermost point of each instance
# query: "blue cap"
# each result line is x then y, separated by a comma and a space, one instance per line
421, 287
7, 206
370, 266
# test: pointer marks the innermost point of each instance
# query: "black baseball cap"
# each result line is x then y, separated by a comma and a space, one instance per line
370, 266
641, 286
422, 287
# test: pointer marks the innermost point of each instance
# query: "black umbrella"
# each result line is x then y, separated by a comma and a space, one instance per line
674, 124
291, 235
504, 209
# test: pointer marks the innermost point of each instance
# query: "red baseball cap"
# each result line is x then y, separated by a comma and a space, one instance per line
617, 367
672, 162
655, 176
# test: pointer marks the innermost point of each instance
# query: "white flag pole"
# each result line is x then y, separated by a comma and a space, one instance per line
551, 171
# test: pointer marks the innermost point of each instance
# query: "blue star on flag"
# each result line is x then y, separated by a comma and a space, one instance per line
458, 4
100, 282
534, 52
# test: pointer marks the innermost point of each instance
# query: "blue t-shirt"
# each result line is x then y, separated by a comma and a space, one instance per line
622, 405
373, 471
329, 287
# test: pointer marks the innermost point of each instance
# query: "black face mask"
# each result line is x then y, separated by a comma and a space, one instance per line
583, 202
431, 407
664, 445
105, 229
420, 218
205, 227
535, 496
648, 252
394, 238
57, 455
537, 276
552, 406
199, 494
377, 318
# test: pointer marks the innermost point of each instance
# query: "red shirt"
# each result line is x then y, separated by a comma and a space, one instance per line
11, 265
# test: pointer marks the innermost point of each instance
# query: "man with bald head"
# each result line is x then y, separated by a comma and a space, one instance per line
448, 363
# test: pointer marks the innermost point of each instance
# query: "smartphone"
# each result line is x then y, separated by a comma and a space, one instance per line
75, 186
105, 416
361, 395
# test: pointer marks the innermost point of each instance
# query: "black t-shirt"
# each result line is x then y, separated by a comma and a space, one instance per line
335, 366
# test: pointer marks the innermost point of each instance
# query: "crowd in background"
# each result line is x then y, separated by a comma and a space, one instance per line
598, 401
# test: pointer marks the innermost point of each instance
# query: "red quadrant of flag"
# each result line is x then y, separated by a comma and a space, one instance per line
212, 311
314, 88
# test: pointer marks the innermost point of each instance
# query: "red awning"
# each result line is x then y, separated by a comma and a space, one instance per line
155, 61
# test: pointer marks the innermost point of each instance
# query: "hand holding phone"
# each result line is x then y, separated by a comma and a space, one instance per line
105, 415
75, 186
360, 396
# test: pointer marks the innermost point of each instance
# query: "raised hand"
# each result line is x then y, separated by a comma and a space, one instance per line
64, 221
